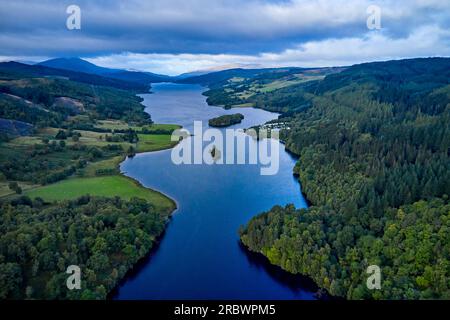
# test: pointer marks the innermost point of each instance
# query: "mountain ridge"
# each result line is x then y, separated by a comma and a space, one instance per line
80, 65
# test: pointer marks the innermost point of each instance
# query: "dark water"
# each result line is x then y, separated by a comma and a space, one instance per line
199, 256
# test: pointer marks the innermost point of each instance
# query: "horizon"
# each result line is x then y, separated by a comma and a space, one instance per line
208, 35
212, 70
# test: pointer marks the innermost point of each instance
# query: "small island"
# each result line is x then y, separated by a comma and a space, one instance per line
226, 120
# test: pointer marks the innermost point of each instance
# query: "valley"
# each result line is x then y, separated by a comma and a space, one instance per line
369, 144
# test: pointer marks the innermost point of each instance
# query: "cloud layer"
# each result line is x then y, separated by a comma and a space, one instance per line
177, 36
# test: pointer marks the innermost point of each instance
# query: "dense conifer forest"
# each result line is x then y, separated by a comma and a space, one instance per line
374, 161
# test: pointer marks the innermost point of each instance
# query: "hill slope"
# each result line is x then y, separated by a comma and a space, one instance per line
48, 97
374, 161
20, 70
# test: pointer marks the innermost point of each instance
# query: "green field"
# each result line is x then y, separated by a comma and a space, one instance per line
100, 177
234, 88
278, 84
154, 142
111, 164
122, 125
109, 186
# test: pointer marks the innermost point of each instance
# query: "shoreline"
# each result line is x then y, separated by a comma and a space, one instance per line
320, 293
140, 185
157, 240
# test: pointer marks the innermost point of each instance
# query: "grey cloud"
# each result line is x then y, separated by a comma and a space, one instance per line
199, 26
207, 33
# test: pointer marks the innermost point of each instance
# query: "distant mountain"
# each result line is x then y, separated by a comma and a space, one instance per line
217, 78
20, 70
76, 64
214, 69
80, 65
192, 74
139, 76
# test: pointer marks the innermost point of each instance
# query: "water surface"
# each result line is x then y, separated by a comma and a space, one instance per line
199, 256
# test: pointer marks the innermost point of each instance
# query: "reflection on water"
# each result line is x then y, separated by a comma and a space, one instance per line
296, 283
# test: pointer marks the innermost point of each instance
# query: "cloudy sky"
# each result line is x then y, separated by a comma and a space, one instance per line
175, 36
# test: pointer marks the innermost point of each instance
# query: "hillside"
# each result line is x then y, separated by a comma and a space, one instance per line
61, 141
374, 161
223, 75
243, 87
51, 101
20, 70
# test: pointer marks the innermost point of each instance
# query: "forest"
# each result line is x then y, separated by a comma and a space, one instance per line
373, 148
103, 236
38, 101
374, 162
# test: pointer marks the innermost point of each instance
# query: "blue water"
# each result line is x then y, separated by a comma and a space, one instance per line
199, 256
